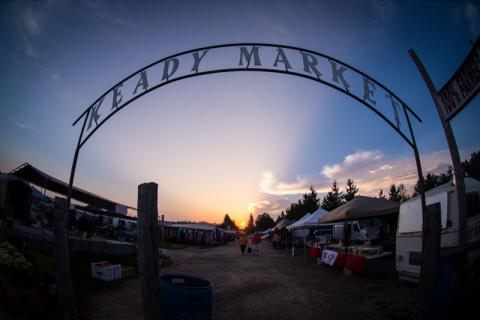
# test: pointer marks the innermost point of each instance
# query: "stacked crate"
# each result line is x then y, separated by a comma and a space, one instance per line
106, 271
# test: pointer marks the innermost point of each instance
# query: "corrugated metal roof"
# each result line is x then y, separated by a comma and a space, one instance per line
41, 179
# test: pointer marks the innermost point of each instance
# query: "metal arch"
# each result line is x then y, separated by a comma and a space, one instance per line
271, 45
85, 113
241, 70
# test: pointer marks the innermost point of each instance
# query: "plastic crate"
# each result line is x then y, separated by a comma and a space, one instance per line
106, 271
128, 272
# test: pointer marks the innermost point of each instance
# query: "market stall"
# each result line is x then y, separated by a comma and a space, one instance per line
307, 222
352, 255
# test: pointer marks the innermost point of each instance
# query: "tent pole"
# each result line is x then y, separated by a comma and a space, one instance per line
293, 237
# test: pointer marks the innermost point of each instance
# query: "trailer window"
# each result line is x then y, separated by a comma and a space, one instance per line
473, 204
415, 258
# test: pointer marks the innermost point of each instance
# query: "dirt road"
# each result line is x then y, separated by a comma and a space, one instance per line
274, 285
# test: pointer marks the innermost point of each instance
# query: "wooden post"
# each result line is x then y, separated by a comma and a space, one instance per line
452, 145
459, 184
147, 250
428, 280
162, 239
62, 261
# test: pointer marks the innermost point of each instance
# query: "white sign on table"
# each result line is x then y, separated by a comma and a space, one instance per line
329, 257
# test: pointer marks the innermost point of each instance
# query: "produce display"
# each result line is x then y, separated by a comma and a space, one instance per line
12, 259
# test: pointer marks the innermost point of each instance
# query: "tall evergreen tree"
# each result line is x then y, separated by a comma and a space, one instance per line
280, 216
380, 194
404, 196
399, 193
350, 190
310, 201
393, 193
308, 204
228, 223
471, 167
250, 225
433, 180
263, 222
333, 199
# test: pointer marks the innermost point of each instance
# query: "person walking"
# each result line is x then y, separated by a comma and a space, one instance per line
256, 240
243, 243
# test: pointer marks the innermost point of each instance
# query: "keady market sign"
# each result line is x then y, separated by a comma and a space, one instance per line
250, 57
462, 86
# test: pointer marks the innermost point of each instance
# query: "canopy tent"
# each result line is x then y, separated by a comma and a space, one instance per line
283, 224
299, 222
361, 207
311, 221
266, 231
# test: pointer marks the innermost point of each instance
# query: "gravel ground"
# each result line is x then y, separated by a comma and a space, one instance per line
275, 285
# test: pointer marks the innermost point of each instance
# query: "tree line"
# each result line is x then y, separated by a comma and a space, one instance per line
334, 198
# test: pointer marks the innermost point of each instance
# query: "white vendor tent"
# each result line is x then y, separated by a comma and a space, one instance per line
299, 222
310, 220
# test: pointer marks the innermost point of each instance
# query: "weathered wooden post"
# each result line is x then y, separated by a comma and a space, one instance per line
432, 247
162, 239
62, 260
147, 250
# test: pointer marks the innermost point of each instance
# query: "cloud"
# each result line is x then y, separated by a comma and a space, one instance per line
272, 206
258, 205
270, 185
351, 164
371, 171
382, 168
23, 125
31, 20
53, 75
472, 16
383, 10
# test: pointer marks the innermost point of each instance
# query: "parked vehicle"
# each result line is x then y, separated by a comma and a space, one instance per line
355, 233
409, 232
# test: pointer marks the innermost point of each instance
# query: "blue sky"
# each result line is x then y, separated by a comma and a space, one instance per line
227, 143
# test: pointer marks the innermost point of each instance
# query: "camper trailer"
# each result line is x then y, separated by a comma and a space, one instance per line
409, 232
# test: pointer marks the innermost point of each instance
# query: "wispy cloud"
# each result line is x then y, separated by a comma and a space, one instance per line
23, 124
371, 170
270, 185
53, 75
472, 16
352, 163
31, 20
383, 10
272, 206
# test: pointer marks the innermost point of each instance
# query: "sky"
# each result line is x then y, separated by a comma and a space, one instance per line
240, 142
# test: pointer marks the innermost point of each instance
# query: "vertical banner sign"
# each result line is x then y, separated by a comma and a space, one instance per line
463, 86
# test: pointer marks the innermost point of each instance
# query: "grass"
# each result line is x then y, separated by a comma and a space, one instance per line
85, 287
180, 245
43, 266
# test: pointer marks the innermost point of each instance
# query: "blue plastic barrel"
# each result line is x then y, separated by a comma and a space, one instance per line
185, 297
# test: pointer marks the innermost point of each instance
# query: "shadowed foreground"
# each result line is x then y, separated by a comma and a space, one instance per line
273, 285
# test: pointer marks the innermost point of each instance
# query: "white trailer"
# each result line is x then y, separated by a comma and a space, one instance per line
409, 232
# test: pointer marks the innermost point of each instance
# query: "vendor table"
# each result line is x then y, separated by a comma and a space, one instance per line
353, 262
314, 252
